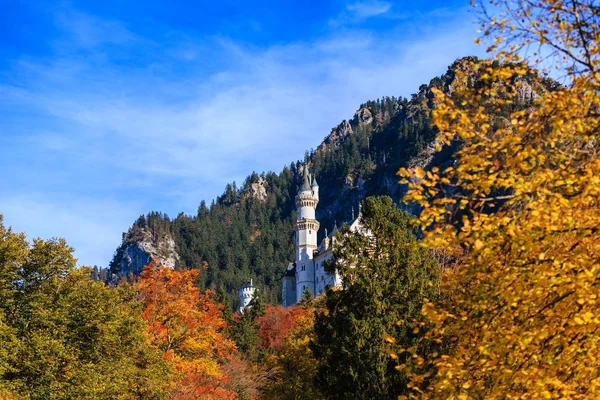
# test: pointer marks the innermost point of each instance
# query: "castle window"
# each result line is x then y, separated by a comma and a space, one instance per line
309, 232
304, 268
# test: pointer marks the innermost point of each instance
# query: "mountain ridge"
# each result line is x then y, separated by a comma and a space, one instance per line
247, 232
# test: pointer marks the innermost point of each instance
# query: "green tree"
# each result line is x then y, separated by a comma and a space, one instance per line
244, 328
65, 336
223, 298
386, 275
307, 298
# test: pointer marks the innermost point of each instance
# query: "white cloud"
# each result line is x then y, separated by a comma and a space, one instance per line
359, 11
87, 31
193, 132
362, 10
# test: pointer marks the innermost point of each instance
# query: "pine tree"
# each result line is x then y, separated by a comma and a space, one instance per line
385, 279
245, 328
307, 298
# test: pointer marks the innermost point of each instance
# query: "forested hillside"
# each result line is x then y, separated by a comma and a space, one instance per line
247, 232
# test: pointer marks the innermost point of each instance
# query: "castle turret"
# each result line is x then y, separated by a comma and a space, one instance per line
246, 294
306, 234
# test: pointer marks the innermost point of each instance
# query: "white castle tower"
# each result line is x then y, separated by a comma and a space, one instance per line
306, 234
246, 293
309, 269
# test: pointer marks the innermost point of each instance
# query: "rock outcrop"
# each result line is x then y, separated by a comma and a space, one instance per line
363, 117
336, 137
139, 248
258, 189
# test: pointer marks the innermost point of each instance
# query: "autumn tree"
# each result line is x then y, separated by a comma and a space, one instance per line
187, 326
274, 326
285, 334
385, 277
65, 336
522, 199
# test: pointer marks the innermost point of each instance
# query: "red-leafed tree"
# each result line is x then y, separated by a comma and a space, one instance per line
188, 327
286, 333
275, 325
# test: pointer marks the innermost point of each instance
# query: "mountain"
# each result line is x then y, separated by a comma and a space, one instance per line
247, 232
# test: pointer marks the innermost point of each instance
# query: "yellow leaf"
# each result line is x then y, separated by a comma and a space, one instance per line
419, 172
389, 339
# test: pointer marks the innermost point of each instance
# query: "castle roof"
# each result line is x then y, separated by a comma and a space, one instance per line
291, 270
335, 229
314, 182
305, 179
247, 285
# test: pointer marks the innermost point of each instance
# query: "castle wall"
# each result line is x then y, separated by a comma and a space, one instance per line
305, 277
306, 212
289, 291
322, 278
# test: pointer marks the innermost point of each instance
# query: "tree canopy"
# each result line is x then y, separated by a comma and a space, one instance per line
522, 199
385, 277
65, 336
188, 327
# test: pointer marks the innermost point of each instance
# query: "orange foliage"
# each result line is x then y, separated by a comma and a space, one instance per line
289, 362
187, 326
275, 325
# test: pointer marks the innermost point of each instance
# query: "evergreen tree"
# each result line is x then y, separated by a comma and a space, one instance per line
245, 328
257, 305
95, 273
307, 298
223, 298
385, 279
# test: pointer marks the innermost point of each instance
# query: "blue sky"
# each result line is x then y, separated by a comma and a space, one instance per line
111, 109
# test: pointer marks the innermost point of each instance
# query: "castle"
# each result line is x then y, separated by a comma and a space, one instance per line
308, 271
246, 293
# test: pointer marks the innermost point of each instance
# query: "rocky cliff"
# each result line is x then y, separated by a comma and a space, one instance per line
142, 244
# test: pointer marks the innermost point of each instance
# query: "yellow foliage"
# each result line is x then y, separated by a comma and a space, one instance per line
523, 307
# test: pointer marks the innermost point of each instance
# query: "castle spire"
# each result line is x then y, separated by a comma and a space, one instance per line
305, 179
